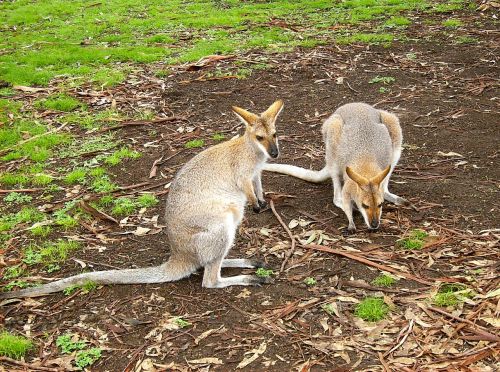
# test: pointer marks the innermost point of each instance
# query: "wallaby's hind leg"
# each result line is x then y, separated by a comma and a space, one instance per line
212, 278
242, 263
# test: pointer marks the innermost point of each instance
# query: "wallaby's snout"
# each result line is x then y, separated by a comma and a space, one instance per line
374, 224
274, 152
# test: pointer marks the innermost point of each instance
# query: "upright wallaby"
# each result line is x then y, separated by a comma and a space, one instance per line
363, 145
205, 205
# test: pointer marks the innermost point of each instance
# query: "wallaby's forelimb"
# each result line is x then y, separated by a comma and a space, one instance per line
242, 263
170, 271
302, 173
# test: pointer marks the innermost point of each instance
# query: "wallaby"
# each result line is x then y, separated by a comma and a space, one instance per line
204, 207
362, 147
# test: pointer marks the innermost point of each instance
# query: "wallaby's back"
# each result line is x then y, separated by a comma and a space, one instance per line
362, 138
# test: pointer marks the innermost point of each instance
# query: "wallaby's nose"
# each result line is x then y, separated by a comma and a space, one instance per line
274, 152
374, 224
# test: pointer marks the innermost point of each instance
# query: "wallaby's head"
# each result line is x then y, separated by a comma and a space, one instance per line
261, 129
370, 196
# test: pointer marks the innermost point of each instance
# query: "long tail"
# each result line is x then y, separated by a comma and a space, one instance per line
169, 271
302, 173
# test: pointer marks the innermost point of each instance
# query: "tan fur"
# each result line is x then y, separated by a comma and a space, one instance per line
205, 206
362, 147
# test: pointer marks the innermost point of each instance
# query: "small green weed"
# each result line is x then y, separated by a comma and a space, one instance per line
415, 240
87, 287
384, 280
310, 281
40, 231
218, 137
103, 184
59, 102
397, 22
382, 79
372, 309
383, 90
17, 198
451, 295
12, 179
50, 252
69, 343
328, 308
263, 273
106, 201
119, 155
41, 179
181, 322
194, 143
147, 200
14, 347
13, 272
466, 40
16, 284
88, 357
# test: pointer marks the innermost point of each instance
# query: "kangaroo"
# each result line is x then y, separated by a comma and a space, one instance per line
362, 147
205, 206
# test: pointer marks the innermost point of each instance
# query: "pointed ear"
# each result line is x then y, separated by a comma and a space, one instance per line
380, 177
273, 111
359, 179
246, 117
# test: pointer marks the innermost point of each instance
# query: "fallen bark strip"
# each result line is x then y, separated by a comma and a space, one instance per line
366, 261
140, 122
292, 248
31, 367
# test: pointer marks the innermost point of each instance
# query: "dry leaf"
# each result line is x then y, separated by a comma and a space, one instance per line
255, 354
206, 361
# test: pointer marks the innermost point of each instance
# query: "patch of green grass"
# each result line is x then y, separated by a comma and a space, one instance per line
59, 102
218, 137
17, 198
13, 346
41, 179
87, 287
7, 92
88, 357
119, 155
13, 179
452, 294
384, 280
13, 272
76, 176
50, 252
124, 206
263, 273
397, 22
41, 231
452, 23
194, 144
466, 40
328, 308
310, 281
106, 201
103, 184
382, 79
372, 309
20, 284
414, 240
147, 200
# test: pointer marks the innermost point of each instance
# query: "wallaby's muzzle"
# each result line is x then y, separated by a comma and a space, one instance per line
374, 223
273, 151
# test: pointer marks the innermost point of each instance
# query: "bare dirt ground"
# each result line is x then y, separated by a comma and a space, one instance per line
446, 97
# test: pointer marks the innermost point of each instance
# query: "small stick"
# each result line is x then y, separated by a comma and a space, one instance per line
30, 367
292, 248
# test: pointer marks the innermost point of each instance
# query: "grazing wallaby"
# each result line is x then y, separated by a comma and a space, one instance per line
363, 145
205, 205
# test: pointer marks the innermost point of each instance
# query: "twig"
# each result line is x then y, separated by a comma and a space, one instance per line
20, 190
406, 333
292, 248
140, 122
30, 367
367, 262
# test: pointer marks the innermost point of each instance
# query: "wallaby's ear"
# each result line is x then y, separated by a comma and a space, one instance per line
273, 111
246, 117
380, 177
359, 179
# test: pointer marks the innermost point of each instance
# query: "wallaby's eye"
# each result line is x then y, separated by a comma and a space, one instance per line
259, 138
380, 205
274, 135
364, 206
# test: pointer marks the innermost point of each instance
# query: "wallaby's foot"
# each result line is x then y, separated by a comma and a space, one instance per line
262, 204
338, 203
237, 280
256, 208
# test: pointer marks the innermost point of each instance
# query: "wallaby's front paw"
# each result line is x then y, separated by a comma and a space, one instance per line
256, 208
262, 204
265, 280
348, 231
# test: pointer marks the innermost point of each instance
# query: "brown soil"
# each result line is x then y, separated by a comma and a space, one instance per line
446, 102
